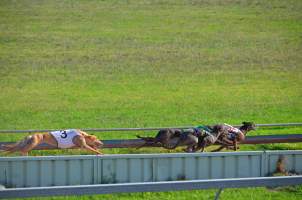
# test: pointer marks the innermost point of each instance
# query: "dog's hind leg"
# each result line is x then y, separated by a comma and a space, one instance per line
219, 148
5, 147
191, 141
30, 143
10, 148
171, 143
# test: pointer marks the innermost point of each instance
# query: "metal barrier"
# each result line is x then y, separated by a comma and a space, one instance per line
141, 129
151, 187
19, 172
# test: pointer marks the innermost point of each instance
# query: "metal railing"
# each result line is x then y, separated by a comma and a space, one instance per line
139, 129
150, 187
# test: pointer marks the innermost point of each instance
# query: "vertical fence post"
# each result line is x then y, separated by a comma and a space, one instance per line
154, 169
100, 169
95, 170
218, 193
264, 164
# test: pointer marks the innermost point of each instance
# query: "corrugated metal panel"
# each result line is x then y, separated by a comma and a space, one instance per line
293, 160
84, 170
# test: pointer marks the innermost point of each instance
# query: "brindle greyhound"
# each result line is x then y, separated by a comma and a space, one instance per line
171, 138
194, 139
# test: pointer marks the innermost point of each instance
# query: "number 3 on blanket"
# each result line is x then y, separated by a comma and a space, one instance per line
63, 134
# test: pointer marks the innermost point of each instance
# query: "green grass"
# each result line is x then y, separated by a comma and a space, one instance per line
151, 63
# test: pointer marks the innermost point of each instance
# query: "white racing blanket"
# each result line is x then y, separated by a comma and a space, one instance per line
65, 138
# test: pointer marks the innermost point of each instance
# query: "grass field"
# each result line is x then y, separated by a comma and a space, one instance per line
146, 63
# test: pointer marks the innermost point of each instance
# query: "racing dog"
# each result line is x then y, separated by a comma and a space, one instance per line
231, 135
202, 136
172, 138
207, 136
164, 138
60, 139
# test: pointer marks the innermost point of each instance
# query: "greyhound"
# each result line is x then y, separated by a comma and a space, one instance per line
171, 138
232, 135
61, 139
200, 137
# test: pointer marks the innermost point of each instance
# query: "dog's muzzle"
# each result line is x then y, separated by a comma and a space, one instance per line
99, 143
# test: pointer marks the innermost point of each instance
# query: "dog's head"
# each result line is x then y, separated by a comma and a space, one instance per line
93, 141
248, 126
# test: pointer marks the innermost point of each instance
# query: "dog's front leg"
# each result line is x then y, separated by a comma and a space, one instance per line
24, 153
92, 149
82, 144
235, 145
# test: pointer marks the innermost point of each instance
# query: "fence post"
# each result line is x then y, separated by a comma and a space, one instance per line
218, 193
95, 170
264, 164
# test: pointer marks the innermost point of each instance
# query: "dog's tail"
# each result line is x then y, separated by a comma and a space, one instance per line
148, 141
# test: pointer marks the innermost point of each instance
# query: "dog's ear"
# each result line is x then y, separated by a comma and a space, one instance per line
91, 137
249, 125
